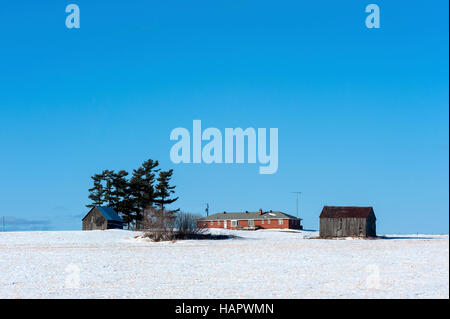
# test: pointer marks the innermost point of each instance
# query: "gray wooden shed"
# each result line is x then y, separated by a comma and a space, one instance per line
347, 221
102, 217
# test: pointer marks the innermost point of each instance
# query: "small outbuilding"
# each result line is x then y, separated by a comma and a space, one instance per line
347, 221
102, 217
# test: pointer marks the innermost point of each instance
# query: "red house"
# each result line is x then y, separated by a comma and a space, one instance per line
250, 220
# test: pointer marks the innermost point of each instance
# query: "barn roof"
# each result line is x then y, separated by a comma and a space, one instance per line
108, 212
249, 215
346, 212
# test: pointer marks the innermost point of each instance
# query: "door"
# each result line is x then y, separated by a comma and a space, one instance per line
225, 224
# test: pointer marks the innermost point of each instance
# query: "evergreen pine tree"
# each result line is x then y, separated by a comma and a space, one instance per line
142, 189
97, 192
163, 190
121, 197
108, 181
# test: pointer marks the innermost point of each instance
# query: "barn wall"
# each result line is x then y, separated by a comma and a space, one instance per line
342, 227
112, 224
371, 229
94, 220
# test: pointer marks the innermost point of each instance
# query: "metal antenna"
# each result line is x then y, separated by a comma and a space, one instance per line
298, 195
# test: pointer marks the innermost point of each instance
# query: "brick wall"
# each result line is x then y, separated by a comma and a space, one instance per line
265, 224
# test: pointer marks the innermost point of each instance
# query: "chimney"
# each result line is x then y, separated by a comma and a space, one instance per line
260, 211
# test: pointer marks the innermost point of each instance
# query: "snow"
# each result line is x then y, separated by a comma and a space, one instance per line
255, 264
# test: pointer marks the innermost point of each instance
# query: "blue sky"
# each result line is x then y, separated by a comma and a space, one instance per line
362, 113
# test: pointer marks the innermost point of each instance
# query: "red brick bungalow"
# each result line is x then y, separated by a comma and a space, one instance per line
250, 220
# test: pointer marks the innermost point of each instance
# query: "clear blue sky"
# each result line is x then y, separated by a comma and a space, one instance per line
362, 113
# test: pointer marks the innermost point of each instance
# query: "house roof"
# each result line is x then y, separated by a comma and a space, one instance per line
346, 212
249, 215
108, 213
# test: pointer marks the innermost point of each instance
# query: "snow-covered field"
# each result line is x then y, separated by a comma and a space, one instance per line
259, 264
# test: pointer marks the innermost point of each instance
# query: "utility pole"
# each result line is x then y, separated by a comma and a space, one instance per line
298, 195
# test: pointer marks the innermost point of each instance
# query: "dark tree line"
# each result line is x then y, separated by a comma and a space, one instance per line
147, 187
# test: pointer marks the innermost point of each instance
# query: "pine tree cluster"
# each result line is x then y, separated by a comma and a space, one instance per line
147, 187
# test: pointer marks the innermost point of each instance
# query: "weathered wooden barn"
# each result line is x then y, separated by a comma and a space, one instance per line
347, 221
102, 217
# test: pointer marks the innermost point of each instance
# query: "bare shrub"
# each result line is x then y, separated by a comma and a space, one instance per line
186, 224
158, 223
161, 225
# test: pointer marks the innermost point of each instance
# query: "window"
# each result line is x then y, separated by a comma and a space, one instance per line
234, 223
218, 223
262, 222
251, 223
268, 221
280, 222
